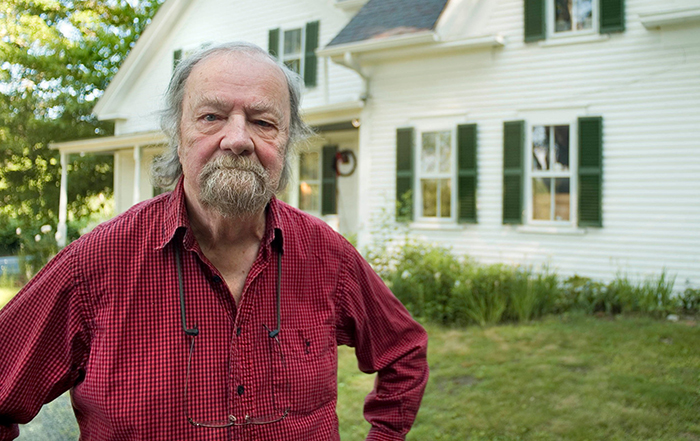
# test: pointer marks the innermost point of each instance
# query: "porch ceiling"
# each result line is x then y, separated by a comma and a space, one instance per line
110, 143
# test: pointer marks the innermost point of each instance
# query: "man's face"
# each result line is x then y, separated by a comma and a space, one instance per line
233, 132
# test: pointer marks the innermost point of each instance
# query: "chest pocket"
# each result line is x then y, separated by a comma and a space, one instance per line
311, 368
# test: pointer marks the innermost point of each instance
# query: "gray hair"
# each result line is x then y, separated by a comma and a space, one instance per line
166, 168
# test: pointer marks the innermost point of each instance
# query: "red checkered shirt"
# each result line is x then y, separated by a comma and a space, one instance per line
103, 320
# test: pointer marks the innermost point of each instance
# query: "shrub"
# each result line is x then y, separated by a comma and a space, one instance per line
580, 294
423, 279
654, 296
481, 296
533, 295
689, 301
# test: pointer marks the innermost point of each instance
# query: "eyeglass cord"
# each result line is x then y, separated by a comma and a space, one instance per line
193, 332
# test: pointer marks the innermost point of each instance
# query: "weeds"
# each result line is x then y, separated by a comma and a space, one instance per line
438, 287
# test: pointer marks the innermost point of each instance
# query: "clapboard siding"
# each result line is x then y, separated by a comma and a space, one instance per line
209, 21
646, 91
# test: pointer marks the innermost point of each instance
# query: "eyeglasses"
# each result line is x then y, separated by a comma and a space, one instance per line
276, 412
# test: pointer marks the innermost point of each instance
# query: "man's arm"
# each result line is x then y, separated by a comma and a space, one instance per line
44, 343
387, 341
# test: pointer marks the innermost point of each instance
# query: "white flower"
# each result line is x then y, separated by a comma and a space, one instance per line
37, 238
405, 274
45, 228
18, 231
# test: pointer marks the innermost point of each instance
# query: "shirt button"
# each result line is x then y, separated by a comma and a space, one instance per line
240, 390
216, 279
238, 331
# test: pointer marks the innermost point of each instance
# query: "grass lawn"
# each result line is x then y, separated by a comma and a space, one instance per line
576, 378
6, 294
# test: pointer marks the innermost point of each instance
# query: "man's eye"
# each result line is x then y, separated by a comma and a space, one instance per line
262, 123
210, 117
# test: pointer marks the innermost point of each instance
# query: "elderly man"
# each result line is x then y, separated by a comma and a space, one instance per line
213, 312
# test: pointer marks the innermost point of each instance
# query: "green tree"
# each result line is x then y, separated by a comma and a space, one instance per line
56, 58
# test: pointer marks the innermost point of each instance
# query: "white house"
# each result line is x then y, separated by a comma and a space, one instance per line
532, 132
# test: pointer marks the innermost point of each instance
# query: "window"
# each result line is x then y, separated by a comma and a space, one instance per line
318, 181
310, 182
553, 172
550, 174
442, 170
181, 54
298, 49
572, 15
555, 18
291, 55
435, 175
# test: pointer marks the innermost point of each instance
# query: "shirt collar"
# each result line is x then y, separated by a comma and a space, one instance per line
176, 217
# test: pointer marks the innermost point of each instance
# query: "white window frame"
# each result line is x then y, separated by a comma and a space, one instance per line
418, 199
302, 54
529, 174
550, 7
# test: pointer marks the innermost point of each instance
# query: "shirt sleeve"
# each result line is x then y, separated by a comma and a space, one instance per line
387, 341
45, 343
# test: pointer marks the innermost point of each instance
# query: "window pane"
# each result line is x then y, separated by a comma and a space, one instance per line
541, 198
540, 147
561, 148
445, 197
429, 193
308, 196
561, 199
292, 42
308, 166
293, 65
428, 157
445, 140
562, 15
584, 14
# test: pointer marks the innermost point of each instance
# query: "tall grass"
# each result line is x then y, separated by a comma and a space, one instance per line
441, 288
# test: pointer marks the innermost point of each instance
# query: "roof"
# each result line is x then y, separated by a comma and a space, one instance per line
386, 18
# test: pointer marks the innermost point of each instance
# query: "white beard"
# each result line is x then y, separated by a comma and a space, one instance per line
235, 186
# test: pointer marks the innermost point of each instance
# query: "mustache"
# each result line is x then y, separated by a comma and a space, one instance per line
234, 162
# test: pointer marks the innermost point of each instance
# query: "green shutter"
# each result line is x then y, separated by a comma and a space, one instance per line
273, 42
177, 57
513, 164
612, 16
404, 174
329, 177
590, 171
466, 173
535, 28
310, 54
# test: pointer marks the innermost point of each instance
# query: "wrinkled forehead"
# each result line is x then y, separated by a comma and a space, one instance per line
241, 68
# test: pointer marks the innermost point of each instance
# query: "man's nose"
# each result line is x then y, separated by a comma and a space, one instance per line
237, 136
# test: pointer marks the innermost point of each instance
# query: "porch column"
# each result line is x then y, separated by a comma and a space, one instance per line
137, 174
62, 228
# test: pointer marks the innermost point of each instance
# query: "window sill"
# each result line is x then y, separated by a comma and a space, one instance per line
573, 39
437, 226
563, 231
